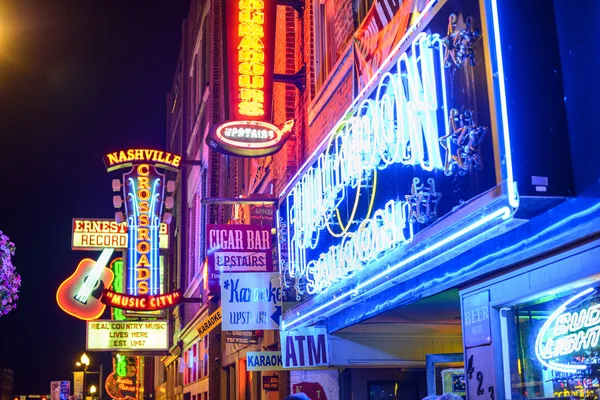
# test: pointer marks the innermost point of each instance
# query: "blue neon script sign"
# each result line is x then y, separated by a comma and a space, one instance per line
341, 247
391, 168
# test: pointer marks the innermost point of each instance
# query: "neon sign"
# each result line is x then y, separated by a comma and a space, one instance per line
118, 285
566, 332
79, 295
250, 59
99, 233
125, 158
141, 303
144, 192
122, 383
406, 126
371, 140
249, 138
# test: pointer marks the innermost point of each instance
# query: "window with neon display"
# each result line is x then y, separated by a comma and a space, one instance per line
553, 345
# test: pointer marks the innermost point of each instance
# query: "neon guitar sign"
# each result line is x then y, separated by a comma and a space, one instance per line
79, 295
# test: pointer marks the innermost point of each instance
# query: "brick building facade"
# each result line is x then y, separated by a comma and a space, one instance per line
330, 56
204, 368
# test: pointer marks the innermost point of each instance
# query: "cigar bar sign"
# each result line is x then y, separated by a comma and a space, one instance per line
250, 49
238, 248
99, 233
127, 336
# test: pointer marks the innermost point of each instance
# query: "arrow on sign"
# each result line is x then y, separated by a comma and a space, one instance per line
276, 314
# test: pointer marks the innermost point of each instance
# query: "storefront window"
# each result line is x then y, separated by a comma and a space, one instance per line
552, 344
393, 390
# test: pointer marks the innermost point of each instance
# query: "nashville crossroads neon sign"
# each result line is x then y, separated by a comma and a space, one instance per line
372, 139
566, 332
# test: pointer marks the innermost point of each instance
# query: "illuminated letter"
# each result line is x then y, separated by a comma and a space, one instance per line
252, 4
252, 95
143, 194
252, 17
143, 287
144, 207
144, 182
251, 43
143, 170
252, 82
113, 159
143, 261
251, 56
252, 109
251, 69
142, 274
143, 234
143, 247
144, 219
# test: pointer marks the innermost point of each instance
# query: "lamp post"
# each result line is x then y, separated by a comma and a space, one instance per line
93, 391
85, 361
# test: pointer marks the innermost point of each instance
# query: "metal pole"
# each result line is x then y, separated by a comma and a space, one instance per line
83, 389
101, 383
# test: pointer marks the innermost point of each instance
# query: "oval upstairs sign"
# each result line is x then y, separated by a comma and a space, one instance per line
249, 138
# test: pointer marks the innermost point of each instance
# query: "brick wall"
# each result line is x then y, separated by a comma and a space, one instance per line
340, 97
285, 96
340, 94
344, 24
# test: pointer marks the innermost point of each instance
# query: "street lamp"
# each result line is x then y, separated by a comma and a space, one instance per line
85, 362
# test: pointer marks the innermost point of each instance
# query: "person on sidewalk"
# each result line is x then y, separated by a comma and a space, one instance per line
297, 396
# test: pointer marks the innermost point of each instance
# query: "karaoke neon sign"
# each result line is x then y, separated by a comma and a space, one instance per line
398, 125
567, 332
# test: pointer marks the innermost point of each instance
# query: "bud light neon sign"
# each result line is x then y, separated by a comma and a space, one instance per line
570, 330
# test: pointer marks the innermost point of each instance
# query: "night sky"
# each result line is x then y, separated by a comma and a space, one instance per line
78, 78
